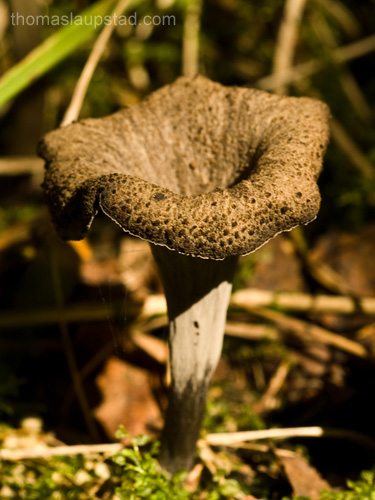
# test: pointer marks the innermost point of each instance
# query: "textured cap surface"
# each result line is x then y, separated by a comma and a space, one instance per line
200, 168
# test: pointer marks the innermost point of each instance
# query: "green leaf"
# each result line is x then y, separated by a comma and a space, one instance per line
53, 50
122, 433
230, 488
141, 440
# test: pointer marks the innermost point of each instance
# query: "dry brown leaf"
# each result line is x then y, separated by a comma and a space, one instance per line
286, 275
127, 399
98, 272
303, 477
351, 256
193, 478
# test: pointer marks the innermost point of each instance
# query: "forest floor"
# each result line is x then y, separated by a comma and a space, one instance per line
83, 331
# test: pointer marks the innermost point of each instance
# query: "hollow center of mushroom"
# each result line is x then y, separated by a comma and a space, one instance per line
200, 148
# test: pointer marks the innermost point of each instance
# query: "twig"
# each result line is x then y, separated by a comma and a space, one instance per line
69, 353
351, 150
318, 269
227, 439
213, 461
304, 302
47, 452
154, 323
220, 439
155, 306
154, 347
341, 14
30, 166
328, 277
309, 331
350, 86
190, 40
250, 330
263, 448
356, 49
303, 70
356, 96
70, 313
19, 232
287, 40
21, 165
80, 90
268, 400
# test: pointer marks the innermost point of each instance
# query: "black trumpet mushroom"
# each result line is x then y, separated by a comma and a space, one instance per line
204, 173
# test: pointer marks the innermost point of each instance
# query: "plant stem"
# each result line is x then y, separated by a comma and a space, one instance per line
197, 293
190, 41
80, 90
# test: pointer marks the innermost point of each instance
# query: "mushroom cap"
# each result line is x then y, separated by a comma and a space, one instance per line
206, 170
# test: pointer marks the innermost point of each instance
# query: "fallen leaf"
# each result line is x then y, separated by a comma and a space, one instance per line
192, 481
127, 399
287, 275
303, 477
351, 256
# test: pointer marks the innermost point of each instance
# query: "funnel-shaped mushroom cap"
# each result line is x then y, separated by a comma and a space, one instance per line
205, 170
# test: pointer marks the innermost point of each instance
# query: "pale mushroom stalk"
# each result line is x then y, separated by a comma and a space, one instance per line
204, 173
197, 293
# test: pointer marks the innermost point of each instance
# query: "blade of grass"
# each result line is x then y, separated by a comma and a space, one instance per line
287, 39
72, 113
190, 41
51, 51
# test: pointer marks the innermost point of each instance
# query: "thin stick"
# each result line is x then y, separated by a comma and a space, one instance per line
227, 439
342, 15
69, 353
319, 270
58, 451
154, 347
190, 41
80, 90
155, 305
220, 439
268, 401
303, 70
351, 150
287, 40
348, 83
77, 313
250, 330
303, 302
263, 448
309, 331
21, 165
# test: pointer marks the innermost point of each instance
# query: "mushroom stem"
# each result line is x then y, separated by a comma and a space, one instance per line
197, 293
